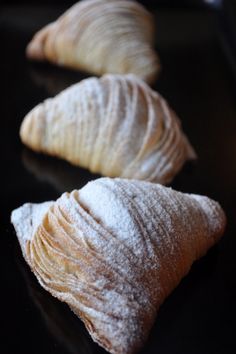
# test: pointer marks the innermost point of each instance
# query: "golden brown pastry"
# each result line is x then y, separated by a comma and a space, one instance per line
116, 126
114, 250
100, 36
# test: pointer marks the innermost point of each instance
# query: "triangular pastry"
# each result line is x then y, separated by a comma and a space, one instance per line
115, 249
116, 126
100, 36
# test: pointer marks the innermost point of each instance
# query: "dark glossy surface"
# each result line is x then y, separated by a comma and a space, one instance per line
199, 317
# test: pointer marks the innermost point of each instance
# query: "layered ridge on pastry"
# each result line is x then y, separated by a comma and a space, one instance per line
100, 36
115, 249
116, 126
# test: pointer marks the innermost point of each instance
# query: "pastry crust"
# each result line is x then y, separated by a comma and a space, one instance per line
115, 126
100, 36
114, 250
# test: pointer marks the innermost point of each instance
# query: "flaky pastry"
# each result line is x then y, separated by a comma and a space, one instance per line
100, 36
116, 126
114, 250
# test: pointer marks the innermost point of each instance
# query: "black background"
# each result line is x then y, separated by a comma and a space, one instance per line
196, 47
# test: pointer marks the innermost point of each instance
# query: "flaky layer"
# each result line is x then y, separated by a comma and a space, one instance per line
100, 36
114, 250
116, 126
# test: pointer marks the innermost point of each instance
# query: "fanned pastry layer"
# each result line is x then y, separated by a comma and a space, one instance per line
100, 36
116, 126
114, 250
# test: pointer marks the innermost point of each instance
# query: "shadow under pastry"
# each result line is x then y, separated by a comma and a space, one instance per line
58, 173
54, 79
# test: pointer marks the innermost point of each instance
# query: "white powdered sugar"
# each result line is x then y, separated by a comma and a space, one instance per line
144, 139
27, 218
115, 249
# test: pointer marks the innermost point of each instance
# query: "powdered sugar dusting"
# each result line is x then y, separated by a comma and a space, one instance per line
26, 219
144, 139
116, 248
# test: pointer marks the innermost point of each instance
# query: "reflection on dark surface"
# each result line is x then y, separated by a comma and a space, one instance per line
199, 316
60, 174
65, 177
63, 325
52, 78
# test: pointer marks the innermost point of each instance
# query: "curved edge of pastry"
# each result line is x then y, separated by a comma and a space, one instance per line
216, 216
26, 220
32, 128
36, 48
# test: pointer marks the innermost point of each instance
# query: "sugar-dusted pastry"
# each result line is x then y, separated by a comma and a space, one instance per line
100, 36
116, 126
114, 250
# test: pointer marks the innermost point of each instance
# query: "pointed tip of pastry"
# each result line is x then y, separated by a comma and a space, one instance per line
215, 215
190, 151
32, 127
26, 219
35, 50
154, 71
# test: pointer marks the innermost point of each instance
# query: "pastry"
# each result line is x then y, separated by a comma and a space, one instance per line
116, 126
100, 36
65, 330
114, 250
